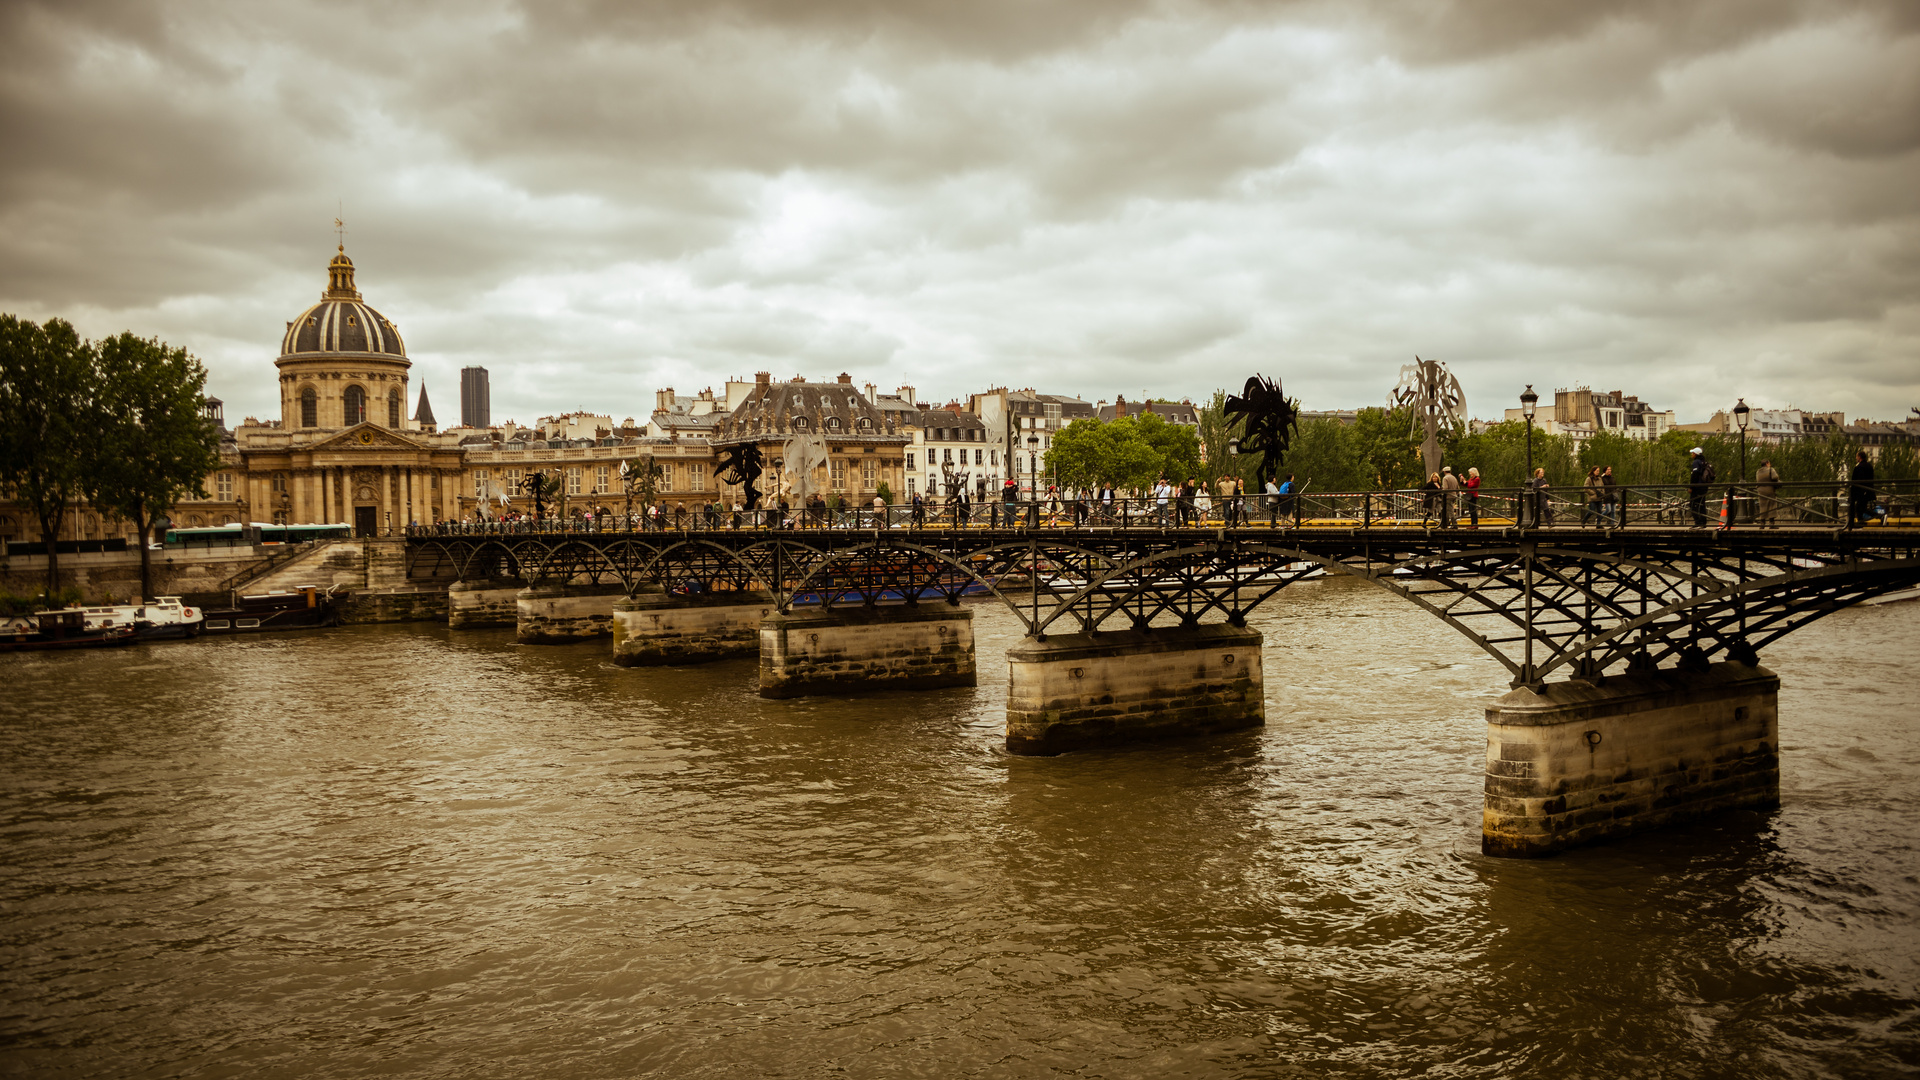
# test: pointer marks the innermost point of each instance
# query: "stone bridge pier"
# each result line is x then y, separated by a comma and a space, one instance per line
561, 614
484, 602
653, 628
1583, 760
1111, 688
806, 651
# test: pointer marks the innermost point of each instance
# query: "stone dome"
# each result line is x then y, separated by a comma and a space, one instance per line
340, 322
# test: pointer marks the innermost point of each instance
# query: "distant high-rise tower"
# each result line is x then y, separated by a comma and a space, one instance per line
476, 405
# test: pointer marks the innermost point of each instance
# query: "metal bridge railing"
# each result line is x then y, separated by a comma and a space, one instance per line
1822, 505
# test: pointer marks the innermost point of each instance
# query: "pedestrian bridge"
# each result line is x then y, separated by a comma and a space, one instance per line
1633, 649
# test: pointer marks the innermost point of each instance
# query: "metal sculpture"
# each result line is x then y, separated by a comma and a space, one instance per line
802, 454
1434, 395
742, 464
1266, 419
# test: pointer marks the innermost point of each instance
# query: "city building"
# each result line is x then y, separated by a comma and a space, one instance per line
1022, 423
1581, 413
476, 399
1181, 412
817, 437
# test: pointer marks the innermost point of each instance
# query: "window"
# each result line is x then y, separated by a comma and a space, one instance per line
666, 476
909, 485
993, 458
833, 423
309, 410
602, 475
867, 468
223, 486
511, 477
837, 470
356, 403
909, 461
696, 477
279, 482
480, 483
573, 480
863, 423
976, 457
393, 408
947, 455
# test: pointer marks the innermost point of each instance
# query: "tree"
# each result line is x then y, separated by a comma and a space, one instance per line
1176, 446
152, 443
46, 385
1389, 459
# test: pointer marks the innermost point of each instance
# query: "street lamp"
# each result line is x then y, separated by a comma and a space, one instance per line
1528, 399
1740, 414
1235, 505
1033, 478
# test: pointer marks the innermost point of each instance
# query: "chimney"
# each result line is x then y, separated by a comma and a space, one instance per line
763, 378
907, 392
845, 379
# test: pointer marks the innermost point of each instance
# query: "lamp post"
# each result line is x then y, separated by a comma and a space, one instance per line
1234, 508
1528, 399
1740, 415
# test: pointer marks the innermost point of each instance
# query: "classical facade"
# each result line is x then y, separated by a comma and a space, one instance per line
824, 438
345, 450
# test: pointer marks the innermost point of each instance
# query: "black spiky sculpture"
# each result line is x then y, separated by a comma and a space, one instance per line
1266, 420
741, 464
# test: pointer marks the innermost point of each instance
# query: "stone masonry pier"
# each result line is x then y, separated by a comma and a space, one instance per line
484, 602
1111, 688
1578, 761
848, 650
656, 628
563, 614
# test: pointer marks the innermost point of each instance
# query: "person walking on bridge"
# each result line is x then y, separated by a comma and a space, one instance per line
1449, 495
1699, 476
1473, 497
1766, 486
1590, 491
1860, 495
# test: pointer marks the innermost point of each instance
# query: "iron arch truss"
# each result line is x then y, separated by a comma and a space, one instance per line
1578, 602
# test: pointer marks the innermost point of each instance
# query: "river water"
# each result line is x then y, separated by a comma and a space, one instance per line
404, 851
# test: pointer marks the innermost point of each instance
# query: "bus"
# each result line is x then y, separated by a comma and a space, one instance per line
259, 532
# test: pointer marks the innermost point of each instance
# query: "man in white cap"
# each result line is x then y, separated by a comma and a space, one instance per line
1449, 492
1699, 475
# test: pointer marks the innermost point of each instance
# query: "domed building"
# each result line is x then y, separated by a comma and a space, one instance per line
345, 450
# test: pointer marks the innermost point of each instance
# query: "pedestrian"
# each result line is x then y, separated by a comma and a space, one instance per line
1288, 498
1609, 497
1767, 485
1202, 504
1162, 491
1542, 510
1429, 498
1591, 491
1699, 476
1473, 497
1449, 494
1860, 495
1271, 492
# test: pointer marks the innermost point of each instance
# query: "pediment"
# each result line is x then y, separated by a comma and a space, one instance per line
367, 436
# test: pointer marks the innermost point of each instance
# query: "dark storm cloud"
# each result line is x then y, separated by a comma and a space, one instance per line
592, 198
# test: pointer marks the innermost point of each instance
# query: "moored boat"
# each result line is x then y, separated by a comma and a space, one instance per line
303, 608
66, 629
166, 617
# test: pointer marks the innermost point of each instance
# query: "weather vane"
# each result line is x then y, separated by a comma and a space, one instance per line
340, 228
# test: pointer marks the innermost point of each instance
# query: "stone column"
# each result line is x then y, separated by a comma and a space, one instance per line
1580, 761
298, 481
386, 501
1112, 688
325, 475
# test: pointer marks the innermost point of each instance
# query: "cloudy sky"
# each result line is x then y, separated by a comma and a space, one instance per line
1687, 201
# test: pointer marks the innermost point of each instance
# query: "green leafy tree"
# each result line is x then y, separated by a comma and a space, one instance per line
1389, 458
47, 382
1176, 446
1322, 455
151, 444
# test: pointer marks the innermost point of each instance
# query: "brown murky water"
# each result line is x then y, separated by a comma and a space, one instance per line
404, 851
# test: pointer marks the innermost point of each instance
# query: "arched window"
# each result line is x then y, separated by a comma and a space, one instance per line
393, 409
356, 400
309, 408
833, 423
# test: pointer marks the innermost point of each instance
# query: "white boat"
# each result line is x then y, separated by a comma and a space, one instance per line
165, 617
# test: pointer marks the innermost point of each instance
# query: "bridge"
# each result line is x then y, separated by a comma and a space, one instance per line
1633, 649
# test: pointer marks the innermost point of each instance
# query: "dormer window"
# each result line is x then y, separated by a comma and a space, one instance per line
865, 423
833, 423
